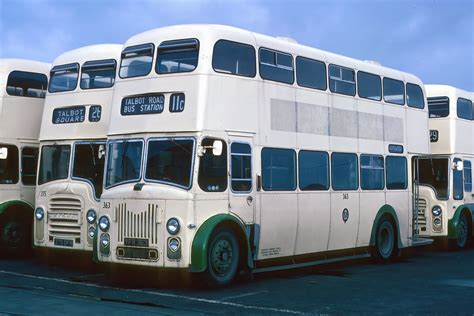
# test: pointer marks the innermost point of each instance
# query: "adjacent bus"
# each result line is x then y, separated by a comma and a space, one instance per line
23, 86
72, 138
229, 150
446, 197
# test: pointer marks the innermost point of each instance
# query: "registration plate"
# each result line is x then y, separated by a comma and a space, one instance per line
136, 242
63, 242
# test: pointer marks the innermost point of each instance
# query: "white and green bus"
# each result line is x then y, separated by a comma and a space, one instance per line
446, 197
72, 139
23, 86
229, 150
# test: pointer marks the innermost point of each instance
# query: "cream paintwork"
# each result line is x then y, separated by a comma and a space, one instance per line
16, 128
456, 140
70, 134
219, 105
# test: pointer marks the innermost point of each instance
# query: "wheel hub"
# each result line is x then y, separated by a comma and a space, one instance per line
222, 256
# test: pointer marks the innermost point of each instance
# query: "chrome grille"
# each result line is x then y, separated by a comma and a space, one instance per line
64, 217
421, 216
138, 224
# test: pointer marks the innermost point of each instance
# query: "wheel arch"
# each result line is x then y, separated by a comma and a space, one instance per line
9, 206
386, 211
201, 240
453, 223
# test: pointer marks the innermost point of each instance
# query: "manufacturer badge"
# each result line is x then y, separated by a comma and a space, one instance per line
345, 215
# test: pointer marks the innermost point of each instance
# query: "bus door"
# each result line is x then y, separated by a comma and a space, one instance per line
242, 188
28, 167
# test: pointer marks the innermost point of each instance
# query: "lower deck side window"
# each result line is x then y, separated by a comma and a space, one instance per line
313, 170
467, 176
344, 173
278, 169
371, 172
396, 173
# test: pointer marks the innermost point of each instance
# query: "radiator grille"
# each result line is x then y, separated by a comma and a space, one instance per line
421, 216
138, 224
64, 217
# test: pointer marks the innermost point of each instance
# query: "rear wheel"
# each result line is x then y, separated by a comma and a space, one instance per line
385, 241
222, 257
463, 233
15, 235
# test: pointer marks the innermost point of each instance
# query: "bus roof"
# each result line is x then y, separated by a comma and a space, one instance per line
7, 65
85, 101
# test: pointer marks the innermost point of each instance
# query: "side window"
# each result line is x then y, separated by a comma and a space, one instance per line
98, 74
369, 86
342, 80
212, 168
458, 190
372, 172
177, 56
465, 109
313, 170
234, 58
415, 98
438, 107
467, 176
344, 171
276, 66
9, 164
136, 61
27, 84
393, 91
278, 169
29, 163
241, 164
311, 73
396, 173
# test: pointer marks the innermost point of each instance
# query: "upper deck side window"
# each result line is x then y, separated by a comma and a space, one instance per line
177, 56
465, 109
276, 66
369, 86
438, 107
342, 80
136, 61
311, 73
27, 84
64, 78
234, 58
393, 91
415, 98
98, 74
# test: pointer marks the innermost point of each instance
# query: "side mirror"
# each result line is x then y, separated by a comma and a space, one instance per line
3, 153
101, 152
217, 147
459, 165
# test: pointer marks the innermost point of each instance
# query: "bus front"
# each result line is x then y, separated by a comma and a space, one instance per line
72, 139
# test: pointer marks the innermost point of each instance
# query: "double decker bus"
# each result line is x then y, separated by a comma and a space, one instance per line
229, 150
446, 198
23, 86
72, 139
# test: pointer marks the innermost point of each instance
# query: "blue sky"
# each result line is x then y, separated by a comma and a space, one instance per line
433, 39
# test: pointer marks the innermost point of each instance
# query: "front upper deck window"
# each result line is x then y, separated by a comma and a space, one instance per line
438, 107
234, 58
27, 84
64, 78
9, 166
465, 109
177, 56
124, 162
393, 91
98, 74
88, 164
54, 163
170, 161
415, 98
136, 61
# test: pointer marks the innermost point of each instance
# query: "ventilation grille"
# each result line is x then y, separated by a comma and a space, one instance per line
138, 224
64, 217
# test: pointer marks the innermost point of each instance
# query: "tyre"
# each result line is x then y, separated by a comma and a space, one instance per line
462, 239
385, 241
15, 235
222, 257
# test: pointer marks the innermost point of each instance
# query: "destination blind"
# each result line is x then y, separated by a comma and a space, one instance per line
143, 104
73, 114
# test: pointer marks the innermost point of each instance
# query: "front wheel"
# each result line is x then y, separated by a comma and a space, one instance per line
15, 235
463, 233
385, 241
222, 257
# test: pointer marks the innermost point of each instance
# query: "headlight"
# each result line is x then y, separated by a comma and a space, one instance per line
91, 232
436, 210
172, 226
104, 223
105, 240
39, 214
91, 216
173, 244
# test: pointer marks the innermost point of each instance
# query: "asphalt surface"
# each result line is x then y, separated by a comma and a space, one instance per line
428, 281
